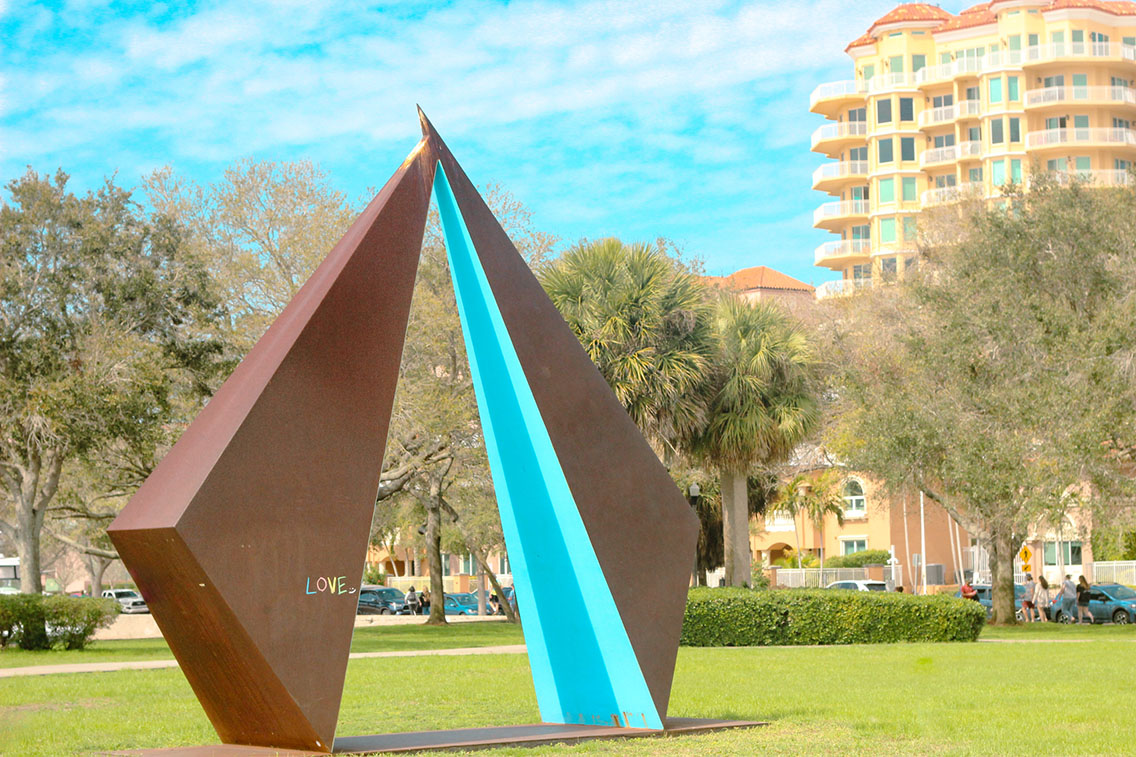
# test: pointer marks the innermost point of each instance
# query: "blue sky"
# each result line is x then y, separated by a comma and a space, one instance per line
687, 120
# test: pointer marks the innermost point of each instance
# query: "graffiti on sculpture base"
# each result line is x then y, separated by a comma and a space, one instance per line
328, 585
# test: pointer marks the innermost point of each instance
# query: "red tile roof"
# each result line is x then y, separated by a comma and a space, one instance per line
759, 277
977, 15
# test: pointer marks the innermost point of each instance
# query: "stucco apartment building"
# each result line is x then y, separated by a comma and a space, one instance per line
941, 106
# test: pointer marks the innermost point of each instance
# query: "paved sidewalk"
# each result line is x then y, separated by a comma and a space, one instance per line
108, 667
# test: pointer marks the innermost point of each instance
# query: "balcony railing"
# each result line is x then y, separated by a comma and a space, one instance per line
842, 248
834, 89
842, 286
969, 108
952, 194
1030, 55
1100, 178
839, 131
889, 82
972, 149
1117, 136
840, 208
1120, 95
939, 155
942, 114
841, 169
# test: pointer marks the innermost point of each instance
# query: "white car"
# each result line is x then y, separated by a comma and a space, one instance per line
129, 600
858, 585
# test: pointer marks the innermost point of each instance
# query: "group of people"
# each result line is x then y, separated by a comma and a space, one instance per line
1072, 595
417, 602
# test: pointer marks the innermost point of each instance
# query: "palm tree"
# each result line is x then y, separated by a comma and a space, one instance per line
822, 499
645, 321
792, 499
762, 404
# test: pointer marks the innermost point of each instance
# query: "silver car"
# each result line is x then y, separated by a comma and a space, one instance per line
128, 600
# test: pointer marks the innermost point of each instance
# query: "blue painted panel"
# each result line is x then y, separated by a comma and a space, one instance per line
584, 668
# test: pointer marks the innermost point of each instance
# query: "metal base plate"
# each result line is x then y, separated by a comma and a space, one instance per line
461, 738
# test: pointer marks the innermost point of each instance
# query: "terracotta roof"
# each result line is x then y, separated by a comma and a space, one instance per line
759, 277
911, 12
1115, 7
863, 39
976, 15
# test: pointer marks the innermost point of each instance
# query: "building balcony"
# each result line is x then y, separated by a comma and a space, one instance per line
1099, 178
1053, 138
943, 195
1003, 59
1048, 96
842, 287
831, 138
1063, 51
972, 149
830, 98
937, 116
969, 109
881, 83
832, 175
840, 251
948, 71
935, 155
831, 215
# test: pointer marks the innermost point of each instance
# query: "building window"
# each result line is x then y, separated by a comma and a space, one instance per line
909, 189
996, 131
1072, 550
861, 232
858, 114
906, 109
854, 500
998, 173
887, 190
909, 229
1083, 165
869, 72
995, 90
1012, 93
887, 230
1016, 171
852, 546
503, 565
1080, 86
975, 175
907, 148
861, 271
469, 565
974, 133
896, 63
445, 564
885, 154
887, 269
1015, 130
1121, 165
918, 61
883, 111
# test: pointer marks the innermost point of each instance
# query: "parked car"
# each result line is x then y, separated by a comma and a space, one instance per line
858, 585
1113, 603
986, 601
380, 600
129, 601
461, 604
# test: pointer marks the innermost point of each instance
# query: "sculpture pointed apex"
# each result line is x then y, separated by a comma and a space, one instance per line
427, 127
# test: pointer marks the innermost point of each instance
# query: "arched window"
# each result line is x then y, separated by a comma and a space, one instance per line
854, 502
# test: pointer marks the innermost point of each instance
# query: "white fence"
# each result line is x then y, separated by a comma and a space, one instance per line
815, 577
1115, 572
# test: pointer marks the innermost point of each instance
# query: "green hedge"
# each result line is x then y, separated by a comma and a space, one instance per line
859, 559
38, 622
744, 618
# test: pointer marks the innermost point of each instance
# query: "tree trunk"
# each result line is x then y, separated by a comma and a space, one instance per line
434, 558
735, 528
822, 549
28, 550
96, 567
1002, 576
31, 488
493, 582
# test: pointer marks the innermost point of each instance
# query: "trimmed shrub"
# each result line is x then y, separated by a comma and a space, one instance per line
38, 622
743, 618
859, 559
72, 621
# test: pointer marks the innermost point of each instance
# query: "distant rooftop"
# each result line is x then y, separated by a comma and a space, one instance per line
760, 277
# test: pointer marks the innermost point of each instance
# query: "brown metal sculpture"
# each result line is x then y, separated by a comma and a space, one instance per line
248, 539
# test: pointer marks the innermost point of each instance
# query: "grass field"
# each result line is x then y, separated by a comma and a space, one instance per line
908, 698
366, 639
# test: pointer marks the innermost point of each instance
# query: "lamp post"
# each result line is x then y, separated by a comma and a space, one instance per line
694, 493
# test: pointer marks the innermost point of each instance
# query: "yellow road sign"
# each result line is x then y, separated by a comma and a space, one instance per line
1025, 555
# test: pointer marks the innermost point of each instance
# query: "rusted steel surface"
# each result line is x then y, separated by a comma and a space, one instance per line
642, 529
248, 540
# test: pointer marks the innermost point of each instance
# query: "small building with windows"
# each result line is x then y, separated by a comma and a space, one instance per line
873, 519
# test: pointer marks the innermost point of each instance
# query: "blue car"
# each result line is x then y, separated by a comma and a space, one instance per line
1108, 603
461, 604
986, 601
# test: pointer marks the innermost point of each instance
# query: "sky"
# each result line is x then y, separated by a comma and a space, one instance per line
685, 120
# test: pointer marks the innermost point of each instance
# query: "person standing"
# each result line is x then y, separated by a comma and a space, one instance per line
1027, 600
1068, 597
1083, 592
412, 601
1041, 598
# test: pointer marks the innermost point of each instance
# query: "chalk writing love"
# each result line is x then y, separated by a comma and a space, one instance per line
328, 585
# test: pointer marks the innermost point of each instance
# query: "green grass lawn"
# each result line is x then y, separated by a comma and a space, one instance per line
871, 700
367, 639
